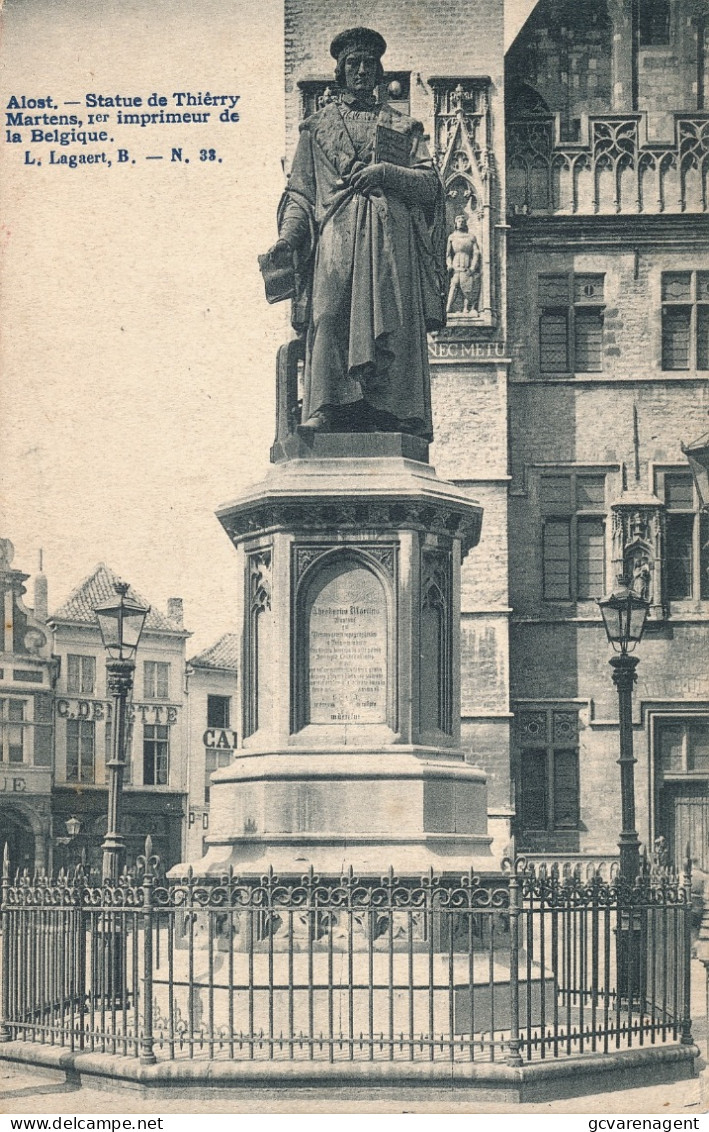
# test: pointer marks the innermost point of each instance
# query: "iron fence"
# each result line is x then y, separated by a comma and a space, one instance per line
536, 965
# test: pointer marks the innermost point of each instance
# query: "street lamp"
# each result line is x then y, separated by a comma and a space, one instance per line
121, 622
624, 614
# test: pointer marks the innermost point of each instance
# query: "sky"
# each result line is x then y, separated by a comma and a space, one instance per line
137, 352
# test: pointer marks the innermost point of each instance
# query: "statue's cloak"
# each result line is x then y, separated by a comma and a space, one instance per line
371, 273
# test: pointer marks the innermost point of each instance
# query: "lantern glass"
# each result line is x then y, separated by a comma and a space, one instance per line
121, 623
624, 615
73, 825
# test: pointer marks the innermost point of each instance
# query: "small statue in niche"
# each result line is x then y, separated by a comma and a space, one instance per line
463, 261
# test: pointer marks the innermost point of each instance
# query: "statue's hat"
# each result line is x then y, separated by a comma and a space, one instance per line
358, 39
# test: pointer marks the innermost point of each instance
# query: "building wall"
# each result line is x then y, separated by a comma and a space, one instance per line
148, 808
625, 421
210, 746
27, 675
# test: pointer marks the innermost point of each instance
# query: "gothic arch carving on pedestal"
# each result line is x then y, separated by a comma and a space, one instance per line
345, 647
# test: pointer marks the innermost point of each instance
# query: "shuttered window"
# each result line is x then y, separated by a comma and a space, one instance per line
548, 780
570, 323
80, 750
685, 320
573, 536
686, 537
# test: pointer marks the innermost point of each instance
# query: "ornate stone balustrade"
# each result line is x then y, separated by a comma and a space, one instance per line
612, 167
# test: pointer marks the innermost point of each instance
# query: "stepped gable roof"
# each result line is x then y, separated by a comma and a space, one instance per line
224, 653
98, 587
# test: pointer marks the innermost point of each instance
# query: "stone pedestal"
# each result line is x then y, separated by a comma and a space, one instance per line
350, 700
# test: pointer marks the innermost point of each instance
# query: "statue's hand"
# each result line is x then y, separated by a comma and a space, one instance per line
281, 254
367, 178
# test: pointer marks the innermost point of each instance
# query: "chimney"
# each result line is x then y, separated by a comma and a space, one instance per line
41, 594
175, 611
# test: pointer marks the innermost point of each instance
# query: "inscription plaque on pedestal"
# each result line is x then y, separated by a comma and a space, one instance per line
346, 642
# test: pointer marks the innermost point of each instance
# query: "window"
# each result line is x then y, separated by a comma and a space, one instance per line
549, 770
212, 761
43, 719
12, 724
573, 537
156, 680
571, 323
156, 754
218, 711
654, 23
686, 537
685, 320
80, 750
682, 745
80, 674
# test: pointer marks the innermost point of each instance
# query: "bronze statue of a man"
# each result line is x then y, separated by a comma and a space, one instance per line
362, 225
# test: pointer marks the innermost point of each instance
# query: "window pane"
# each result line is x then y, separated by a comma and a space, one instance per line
591, 558
555, 493
217, 711
704, 556
654, 23
553, 290
676, 286
86, 742
588, 288
703, 286
557, 560
698, 746
669, 745
679, 492
533, 790
566, 789
149, 679
72, 750
702, 337
588, 330
73, 673
15, 744
675, 337
680, 529
16, 710
591, 493
162, 681
553, 342
88, 673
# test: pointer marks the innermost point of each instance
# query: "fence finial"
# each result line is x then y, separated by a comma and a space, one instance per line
148, 848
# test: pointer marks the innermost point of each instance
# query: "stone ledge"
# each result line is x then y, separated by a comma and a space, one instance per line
573, 1076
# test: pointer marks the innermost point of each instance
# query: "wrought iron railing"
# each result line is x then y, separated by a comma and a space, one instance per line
535, 965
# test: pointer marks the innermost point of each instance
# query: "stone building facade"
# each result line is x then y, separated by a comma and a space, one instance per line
155, 780
28, 673
212, 730
608, 303
579, 155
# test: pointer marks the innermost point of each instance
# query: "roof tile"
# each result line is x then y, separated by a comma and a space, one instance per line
98, 587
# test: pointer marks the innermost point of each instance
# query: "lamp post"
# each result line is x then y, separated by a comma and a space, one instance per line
624, 614
121, 623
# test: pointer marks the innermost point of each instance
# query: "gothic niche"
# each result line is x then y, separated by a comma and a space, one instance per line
436, 663
462, 152
637, 549
344, 643
259, 630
